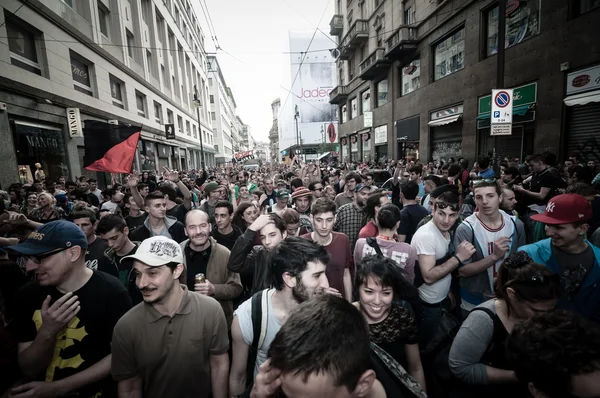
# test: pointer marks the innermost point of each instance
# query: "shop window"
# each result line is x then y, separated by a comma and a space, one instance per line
382, 92
22, 45
344, 113
140, 102
353, 110
582, 6
103, 19
81, 72
365, 98
449, 54
522, 22
116, 91
411, 77
158, 113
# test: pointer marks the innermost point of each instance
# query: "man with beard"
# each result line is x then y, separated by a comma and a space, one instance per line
86, 220
249, 260
301, 199
63, 321
567, 253
350, 217
509, 202
298, 272
91, 198
269, 191
351, 180
203, 255
225, 234
340, 265
157, 222
175, 343
316, 187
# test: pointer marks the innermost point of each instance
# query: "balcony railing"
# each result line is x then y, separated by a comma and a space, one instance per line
336, 26
374, 64
402, 42
338, 95
358, 32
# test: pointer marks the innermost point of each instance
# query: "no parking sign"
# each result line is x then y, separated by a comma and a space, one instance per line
502, 106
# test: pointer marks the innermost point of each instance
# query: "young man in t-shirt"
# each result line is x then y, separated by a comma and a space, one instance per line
416, 175
495, 235
298, 271
225, 233
412, 213
86, 220
136, 216
64, 320
436, 263
567, 253
340, 265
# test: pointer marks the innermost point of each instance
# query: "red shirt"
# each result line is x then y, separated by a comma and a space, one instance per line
368, 231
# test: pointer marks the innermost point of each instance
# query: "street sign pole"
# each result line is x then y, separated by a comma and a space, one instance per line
500, 61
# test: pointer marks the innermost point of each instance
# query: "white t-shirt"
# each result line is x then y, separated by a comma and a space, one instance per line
244, 316
429, 240
110, 206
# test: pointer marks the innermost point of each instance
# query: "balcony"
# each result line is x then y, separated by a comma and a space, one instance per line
336, 26
338, 95
401, 43
374, 65
357, 34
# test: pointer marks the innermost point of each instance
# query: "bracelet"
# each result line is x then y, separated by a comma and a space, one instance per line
458, 259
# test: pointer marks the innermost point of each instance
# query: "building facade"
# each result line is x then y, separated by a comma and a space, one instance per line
415, 78
222, 112
274, 132
129, 62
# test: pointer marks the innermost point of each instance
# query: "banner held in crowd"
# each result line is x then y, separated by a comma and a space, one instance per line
110, 148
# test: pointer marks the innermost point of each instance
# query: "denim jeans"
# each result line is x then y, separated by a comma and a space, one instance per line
429, 319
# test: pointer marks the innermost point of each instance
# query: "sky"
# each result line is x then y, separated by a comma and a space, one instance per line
255, 33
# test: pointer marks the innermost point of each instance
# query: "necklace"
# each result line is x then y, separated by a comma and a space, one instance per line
384, 237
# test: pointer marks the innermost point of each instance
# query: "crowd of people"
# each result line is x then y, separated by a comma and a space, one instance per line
305, 280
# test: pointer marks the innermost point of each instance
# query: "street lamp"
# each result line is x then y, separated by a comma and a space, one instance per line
198, 105
298, 140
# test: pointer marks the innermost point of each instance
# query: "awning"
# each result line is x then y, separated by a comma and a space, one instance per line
582, 99
445, 120
517, 110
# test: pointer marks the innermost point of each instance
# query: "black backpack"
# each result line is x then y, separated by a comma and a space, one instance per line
259, 328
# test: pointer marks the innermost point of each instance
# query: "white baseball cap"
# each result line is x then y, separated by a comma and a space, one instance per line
157, 251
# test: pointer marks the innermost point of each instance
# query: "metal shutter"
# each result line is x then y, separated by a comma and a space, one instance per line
583, 134
446, 141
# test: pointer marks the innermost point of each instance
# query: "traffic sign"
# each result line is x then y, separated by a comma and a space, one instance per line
502, 105
501, 129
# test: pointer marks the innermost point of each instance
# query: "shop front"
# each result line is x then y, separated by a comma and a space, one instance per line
184, 159
520, 142
445, 133
407, 136
164, 151
41, 145
380, 142
583, 114
354, 154
148, 155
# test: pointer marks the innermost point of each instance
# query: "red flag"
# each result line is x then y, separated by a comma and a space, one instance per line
119, 158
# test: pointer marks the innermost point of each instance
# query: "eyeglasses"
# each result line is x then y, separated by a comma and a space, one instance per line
486, 180
39, 258
443, 205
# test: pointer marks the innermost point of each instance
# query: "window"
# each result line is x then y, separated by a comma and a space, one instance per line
103, 20
382, 92
344, 114
411, 74
140, 102
70, 3
212, 99
365, 98
409, 16
210, 83
149, 62
130, 43
22, 46
187, 127
351, 69
170, 119
449, 54
80, 70
213, 116
353, 110
379, 35
157, 113
216, 148
180, 124
521, 24
116, 91
582, 6
195, 131
163, 72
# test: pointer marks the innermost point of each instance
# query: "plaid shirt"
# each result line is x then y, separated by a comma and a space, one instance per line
349, 221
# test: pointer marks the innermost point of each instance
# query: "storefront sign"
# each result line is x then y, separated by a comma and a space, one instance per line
522, 95
74, 120
381, 134
583, 80
344, 141
331, 133
442, 113
368, 119
170, 131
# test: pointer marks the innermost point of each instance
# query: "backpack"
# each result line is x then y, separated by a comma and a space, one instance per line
260, 317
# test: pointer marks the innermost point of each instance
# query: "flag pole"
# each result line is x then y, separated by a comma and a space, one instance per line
198, 105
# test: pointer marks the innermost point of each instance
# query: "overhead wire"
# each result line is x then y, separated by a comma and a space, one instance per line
15, 12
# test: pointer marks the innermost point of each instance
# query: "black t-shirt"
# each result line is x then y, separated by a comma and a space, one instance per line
545, 179
86, 339
573, 268
411, 216
93, 199
94, 253
134, 223
197, 263
227, 240
179, 212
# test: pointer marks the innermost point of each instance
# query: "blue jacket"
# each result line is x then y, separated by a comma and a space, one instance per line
587, 300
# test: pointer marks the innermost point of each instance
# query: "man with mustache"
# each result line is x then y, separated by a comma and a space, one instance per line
175, 343
298, 272
203, 255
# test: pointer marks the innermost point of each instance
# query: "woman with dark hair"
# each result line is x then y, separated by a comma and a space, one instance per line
30, 205
385, 299
245, 215
16, 200
477, 358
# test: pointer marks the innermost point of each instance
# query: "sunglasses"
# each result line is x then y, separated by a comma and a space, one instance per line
486, 180
444, 205
39, 258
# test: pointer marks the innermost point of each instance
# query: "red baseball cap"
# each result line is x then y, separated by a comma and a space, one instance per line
565, 209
